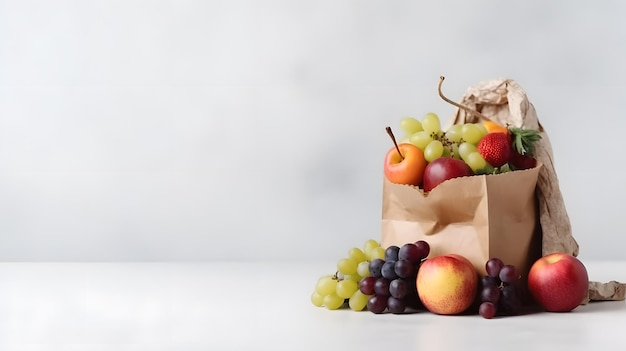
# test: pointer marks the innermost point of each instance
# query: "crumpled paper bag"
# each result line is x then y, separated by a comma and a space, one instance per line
504, 101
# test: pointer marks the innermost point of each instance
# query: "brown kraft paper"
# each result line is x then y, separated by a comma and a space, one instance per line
471, 216
505, 102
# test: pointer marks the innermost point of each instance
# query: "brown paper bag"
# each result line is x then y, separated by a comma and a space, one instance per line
504, 101
478, 217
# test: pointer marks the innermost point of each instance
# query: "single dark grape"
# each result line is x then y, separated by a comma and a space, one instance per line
396, 305
376, 266
411, 288
487, 310
493, 267
510, 302
391, 253
412, 285
410, 252
423, 249
389, 270
508, 291
398, 288
381, 287
490, 294
413, 301
366, 285
509, 274
488, 280
377, 304
405, 269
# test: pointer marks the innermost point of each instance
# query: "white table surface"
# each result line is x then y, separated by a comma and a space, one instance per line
258, 306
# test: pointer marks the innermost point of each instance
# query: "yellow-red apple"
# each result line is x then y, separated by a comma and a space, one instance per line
558, 282
407, 168
447, 284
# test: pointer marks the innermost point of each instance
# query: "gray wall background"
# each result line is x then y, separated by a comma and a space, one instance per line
245, 130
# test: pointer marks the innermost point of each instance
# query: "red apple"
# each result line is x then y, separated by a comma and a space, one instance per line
442, 169
407, 168
558, 282
447, 284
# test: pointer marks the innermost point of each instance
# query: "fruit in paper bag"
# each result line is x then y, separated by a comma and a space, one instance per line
404, 163
493, 127
495, 148
519, 161
405, 166
442, 169
447, 284
558, 282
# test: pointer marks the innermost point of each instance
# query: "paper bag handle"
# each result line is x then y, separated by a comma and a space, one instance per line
456, 104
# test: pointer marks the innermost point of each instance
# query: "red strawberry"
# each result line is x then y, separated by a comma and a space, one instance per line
495, 148
520, 161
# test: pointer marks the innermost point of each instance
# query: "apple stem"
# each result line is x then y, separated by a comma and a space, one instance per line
470, 110
393, 138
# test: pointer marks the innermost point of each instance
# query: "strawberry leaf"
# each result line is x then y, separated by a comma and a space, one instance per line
524, 140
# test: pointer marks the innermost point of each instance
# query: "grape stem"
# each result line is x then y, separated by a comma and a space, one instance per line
393, 138
470, 110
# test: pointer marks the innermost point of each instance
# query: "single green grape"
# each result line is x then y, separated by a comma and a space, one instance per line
454, 133
421, 139
471, 133
476, 161
333, 302
356, 254
355, 277
363, 269
482, 128
326, 285
371, 243
358, 301
346, 288
410, 125
431, 123
317, 299
447, 152
433, 150
376, 252
466, 149
347, 266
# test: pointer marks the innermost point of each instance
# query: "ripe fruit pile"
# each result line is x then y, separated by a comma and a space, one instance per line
373, 278
404, 279
426, 155
500, 292
483, 148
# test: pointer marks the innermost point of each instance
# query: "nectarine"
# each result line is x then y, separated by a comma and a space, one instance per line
447, 284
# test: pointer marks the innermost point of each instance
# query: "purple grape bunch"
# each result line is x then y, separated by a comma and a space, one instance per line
500, 295
392, 280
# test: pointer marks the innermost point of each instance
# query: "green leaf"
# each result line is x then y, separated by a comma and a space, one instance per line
524, 140
505, 168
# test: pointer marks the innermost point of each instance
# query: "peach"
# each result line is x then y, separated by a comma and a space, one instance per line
447, 284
